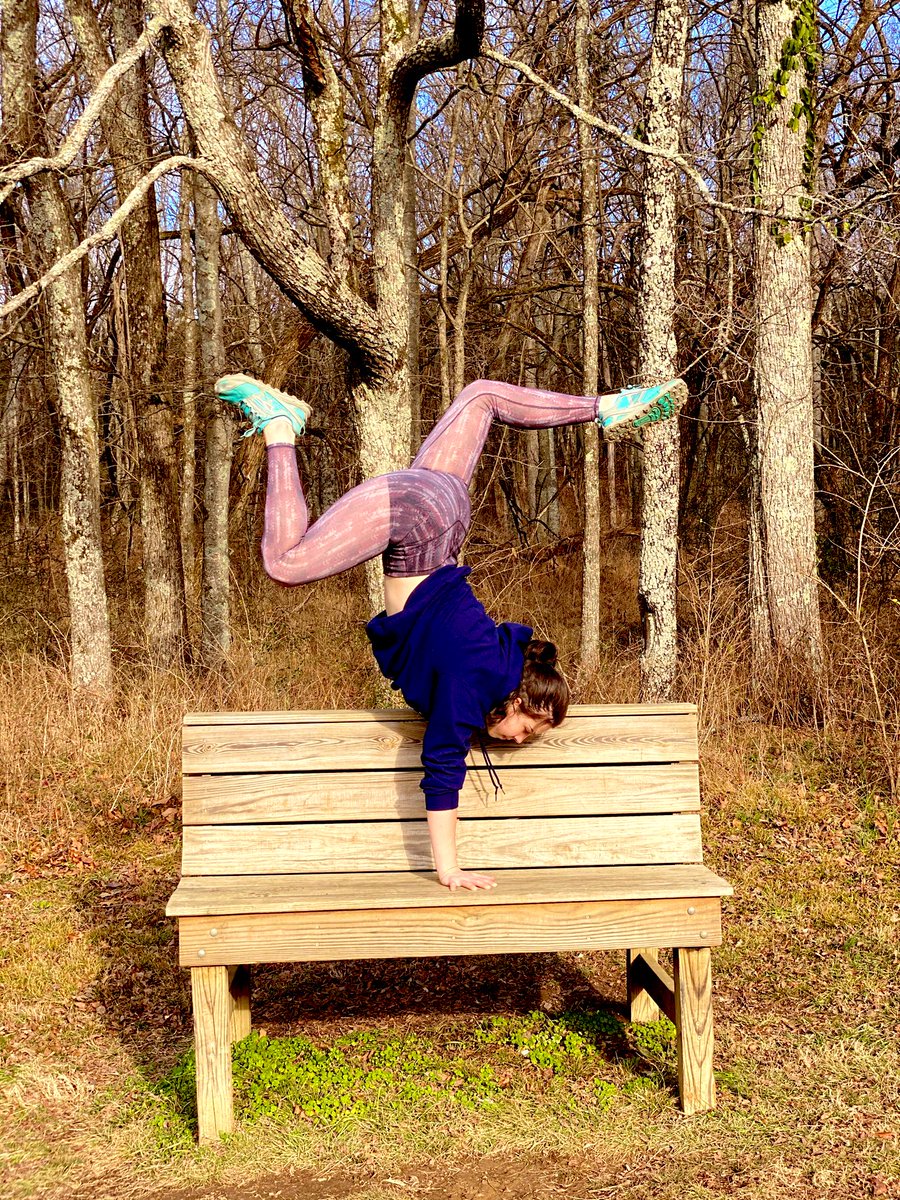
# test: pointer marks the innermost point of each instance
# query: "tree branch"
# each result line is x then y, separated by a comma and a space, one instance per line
303, 39
633, 143
887, 159
437, 53
326, 299
65, 156
106, 232
626, 139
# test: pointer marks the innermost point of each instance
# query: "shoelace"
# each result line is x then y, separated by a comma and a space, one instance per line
492, 770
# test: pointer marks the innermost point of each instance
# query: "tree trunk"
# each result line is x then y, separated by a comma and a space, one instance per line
50, 228
413, 293
444, 276
215, 637
9, 431
590, 588
188, 393
782, 373
254, 326
658, 354
458, 365
126, 125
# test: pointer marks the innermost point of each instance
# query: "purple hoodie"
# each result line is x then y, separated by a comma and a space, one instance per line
453, 665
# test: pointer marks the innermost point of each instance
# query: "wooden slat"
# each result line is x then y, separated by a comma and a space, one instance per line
366, 745
200, 895
404, 845
475, 929
305, 716
379, 795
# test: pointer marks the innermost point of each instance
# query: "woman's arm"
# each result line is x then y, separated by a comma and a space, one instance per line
442, 831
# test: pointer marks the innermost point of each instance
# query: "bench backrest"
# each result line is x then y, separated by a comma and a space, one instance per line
331, 791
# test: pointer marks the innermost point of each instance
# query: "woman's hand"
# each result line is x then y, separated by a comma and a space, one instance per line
470, 881
442, 831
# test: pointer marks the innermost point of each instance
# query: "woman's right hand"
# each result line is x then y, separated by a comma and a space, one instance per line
470, 881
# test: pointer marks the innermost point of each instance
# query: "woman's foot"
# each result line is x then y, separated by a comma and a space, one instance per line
261, 403
634, 408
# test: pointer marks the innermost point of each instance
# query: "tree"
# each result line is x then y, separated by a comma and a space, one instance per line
215, 610
590, 588
51, 230
126, 126
657, 352
375, 334
783, 549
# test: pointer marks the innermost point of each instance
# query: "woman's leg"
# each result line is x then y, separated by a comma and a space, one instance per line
353, 530
455, 443
458, 438
415, 519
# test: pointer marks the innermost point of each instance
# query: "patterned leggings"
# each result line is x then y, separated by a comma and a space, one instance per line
415, 519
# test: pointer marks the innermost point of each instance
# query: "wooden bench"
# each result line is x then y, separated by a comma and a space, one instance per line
305, 840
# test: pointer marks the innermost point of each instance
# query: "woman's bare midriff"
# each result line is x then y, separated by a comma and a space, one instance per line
398, 589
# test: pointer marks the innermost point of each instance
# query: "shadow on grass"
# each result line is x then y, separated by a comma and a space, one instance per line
144, 996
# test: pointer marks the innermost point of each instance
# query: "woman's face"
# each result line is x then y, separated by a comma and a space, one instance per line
517, 725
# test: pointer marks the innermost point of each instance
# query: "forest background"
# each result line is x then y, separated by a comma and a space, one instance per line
370, 207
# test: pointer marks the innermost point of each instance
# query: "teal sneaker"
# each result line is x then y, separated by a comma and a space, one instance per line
261, 403
635, 408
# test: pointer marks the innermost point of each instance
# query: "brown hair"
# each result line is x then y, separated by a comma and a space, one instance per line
543, 690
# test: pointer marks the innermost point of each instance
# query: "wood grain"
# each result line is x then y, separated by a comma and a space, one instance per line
392, 745
694, 1024
471, 929
216, 896
651, 989
382, 795
403, 845
239, 985
300, 716
212, 1040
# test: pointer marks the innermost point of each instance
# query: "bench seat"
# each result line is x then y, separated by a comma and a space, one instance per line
305, 840
213, 895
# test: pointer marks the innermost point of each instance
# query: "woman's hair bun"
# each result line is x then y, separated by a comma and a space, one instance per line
543, 653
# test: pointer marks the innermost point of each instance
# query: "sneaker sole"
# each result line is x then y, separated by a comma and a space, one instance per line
285, 397
663, 408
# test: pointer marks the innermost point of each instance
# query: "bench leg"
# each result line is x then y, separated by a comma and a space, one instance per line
239, 981
693, 1021
641, 1007
213, 1019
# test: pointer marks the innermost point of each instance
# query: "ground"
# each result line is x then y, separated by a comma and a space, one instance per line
95, 1012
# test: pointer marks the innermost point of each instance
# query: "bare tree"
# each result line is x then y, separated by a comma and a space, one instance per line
188, 458
215, 636
51, 231
786, 606
126, 126
590, 594
375, 334
657, 352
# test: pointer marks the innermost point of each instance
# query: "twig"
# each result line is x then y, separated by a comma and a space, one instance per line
65, 156
672, 156
106, 232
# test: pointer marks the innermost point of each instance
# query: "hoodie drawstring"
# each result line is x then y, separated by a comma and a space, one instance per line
492, 770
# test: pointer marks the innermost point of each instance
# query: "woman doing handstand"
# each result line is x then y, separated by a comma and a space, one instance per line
434, 641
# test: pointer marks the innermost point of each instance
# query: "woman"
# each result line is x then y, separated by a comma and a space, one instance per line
434, 641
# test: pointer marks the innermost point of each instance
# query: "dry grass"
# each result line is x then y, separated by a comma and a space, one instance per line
93, 1008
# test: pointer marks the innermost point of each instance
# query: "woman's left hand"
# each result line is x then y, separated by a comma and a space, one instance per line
470, 881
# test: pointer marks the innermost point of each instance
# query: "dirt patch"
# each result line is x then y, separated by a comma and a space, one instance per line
502, 1178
